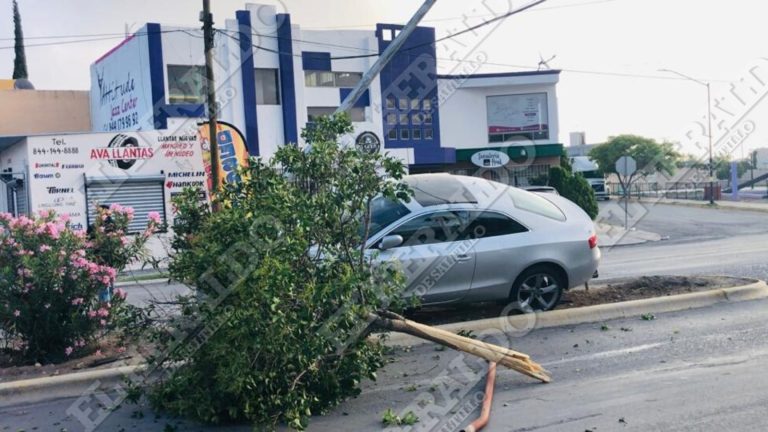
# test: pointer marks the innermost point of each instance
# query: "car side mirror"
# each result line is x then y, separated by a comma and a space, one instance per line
390, 241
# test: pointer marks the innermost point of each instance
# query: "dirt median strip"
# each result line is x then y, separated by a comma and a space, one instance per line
74, 384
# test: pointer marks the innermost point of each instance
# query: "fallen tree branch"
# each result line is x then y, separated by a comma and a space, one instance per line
514, 360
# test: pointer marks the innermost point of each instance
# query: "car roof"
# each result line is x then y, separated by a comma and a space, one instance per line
442, 189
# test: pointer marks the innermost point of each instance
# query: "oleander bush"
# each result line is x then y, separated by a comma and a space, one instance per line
50, 280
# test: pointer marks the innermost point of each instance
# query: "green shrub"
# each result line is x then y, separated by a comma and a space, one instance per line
575, 188
275, 331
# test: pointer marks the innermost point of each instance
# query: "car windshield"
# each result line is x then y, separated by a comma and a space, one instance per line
385, 211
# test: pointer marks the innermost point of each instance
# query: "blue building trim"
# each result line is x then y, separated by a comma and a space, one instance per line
410, 79
287, 85
316, 60
362, 102
183, 110
157, 75
249, 82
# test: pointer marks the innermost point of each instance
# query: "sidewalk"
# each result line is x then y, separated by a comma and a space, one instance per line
613, 235
760, 206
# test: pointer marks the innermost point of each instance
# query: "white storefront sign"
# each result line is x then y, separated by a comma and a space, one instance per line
62, 166
518, 113
121, 94
490, 159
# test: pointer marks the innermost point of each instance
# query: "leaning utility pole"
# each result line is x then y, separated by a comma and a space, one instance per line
207, 18
385, 57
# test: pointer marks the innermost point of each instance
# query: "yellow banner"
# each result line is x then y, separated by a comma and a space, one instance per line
233, 152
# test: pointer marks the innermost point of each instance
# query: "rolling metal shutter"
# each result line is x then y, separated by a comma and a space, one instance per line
143, 194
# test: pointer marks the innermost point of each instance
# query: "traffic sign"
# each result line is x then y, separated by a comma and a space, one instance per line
626, 166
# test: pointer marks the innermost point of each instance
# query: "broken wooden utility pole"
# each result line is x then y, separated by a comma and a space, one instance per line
514, 360
207, 18
385, 57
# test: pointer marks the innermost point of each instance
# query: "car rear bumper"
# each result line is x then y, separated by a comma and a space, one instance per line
586, 270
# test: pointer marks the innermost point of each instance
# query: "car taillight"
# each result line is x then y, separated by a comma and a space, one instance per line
592, 241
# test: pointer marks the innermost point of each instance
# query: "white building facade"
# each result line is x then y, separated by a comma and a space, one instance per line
272, 79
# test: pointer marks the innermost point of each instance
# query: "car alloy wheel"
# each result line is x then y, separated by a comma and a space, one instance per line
539, 289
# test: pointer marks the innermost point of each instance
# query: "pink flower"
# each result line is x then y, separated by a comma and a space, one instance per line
53, 229
154, 216
116, 208
77, 301
79, 343
102, 312
91, 314
44, 213
120, 293
16, 313
68, 351
103, 323
98, 353
124, 241
44, 248
64, 218
121, 349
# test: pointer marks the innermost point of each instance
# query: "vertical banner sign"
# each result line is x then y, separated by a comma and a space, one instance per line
233, 153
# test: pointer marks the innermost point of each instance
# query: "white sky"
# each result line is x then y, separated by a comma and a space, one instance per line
711, 40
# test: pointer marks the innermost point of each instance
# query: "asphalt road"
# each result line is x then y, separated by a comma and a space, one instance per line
698, 370
700, 241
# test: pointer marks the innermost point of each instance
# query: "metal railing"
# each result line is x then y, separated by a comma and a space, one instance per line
680, 190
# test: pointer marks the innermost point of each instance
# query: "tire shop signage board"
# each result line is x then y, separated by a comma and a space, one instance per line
60, 164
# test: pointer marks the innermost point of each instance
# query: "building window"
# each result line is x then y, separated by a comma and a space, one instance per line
186, 84
404, 119
356, 114
405, 134
403, 104
391, 119
392, 134
267, 89
390, 102
416, 119
427, 105
416, 134
331, 79
427, 133
415, 104
428, 119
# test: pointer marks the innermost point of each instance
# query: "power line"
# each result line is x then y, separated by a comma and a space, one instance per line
96, 39
523, 67
464, 17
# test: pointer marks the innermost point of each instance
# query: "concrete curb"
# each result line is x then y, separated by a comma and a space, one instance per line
720, 205
598, 313
75, 384
141, 282
66, 385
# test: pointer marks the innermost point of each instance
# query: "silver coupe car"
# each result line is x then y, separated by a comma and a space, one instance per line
467, 239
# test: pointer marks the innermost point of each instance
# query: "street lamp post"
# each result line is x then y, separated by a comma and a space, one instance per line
709, 129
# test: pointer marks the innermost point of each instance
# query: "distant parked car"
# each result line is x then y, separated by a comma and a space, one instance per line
467, 239
541, 189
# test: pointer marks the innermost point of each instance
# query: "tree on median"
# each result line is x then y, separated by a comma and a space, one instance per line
651, 156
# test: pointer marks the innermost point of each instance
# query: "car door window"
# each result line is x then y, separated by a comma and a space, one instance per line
437, 227
491, 224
